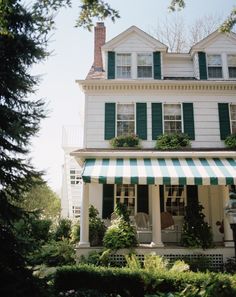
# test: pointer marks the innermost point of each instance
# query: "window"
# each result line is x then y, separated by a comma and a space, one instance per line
75, 177
233, 118
231, 59
175, 199
172, 118
126, 194
214, 66
123, 66
76, 211
144, 65
125, 119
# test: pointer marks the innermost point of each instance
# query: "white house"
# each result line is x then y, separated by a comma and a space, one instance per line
136, 86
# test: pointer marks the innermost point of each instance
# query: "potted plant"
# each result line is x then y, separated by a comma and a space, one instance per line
125, 141
172, 141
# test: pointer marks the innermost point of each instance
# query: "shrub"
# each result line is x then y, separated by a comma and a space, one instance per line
230, 141
125, 141
172, 141
63, 229
96, 228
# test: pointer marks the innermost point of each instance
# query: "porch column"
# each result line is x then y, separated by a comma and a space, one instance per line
228, 234
84, 217
156, 218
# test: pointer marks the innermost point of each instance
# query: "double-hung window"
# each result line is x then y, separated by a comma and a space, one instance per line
233, 118
214, 64
123, 66
144, 65
231, 60
75, 177
125, 119
126, 194
172, 118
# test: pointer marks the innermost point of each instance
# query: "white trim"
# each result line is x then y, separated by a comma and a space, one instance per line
230, 118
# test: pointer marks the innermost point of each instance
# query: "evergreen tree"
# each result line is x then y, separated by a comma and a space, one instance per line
196, 232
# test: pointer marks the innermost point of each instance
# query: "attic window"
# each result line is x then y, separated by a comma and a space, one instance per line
214, 66
123, 66
231, 59
144, 65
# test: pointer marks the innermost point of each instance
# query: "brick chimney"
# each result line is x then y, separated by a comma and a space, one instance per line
99, 41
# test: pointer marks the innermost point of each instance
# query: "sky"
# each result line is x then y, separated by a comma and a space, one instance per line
71, 58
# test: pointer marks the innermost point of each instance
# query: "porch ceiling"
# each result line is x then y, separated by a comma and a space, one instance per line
183, 171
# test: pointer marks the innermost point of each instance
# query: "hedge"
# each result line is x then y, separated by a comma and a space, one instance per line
137, 283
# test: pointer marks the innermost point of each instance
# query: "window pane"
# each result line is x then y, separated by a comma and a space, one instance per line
234, 127
233, 112
172, 110
123, 65
214, 72
144, 59
144, 71
125, 128
172, 127
231, 60
123, 59
175, 200
123, 71
232, 72
214, 60
125, 112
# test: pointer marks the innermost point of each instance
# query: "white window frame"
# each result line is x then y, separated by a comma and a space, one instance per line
144, 53
222, 70
76, 211
77, 180
134, 120
228, 65
163, 116
177, 208
231, 120
127, 197
116, 66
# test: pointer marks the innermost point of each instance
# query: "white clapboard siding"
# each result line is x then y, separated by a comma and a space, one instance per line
133, 43
207, 132
222, 44
177, 66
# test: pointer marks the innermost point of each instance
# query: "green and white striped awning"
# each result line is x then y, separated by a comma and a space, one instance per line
175, 171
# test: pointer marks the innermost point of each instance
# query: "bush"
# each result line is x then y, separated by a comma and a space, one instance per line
125, 141
230, 141
120, 234
140, 283
63, 230
172, 141
96, 228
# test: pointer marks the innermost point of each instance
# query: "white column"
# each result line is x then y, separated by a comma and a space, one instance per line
228, 234
156, 217
84, 217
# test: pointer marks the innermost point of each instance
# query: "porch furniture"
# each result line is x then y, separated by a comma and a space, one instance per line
144, 232
168, 226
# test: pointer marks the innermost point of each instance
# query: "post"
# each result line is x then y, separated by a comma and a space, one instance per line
84, 217
228, 236
156, 218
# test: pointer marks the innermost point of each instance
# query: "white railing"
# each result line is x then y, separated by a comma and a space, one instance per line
72, 136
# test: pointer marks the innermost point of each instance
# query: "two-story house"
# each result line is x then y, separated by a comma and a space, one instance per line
136, 86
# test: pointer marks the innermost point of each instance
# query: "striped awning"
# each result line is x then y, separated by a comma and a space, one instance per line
167, 171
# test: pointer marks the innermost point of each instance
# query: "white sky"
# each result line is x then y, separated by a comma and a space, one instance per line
72, 58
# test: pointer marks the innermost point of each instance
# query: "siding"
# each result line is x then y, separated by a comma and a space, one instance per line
222, 44
177, 67
133, 44
207, 133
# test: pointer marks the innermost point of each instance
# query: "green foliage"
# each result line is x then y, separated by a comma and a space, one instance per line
63, 229
96, 228
125, 141
126, 282
132, 262
172, 141
56, 253
230, 265
230, 141
120, 234
196, 232
155, 263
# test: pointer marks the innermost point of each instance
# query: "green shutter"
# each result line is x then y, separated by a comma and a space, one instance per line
224, 120
108, 201
162, 202
202, 65
141, 120
142, 198
157, 65
110, 120
111, 65
192, 195
157, 127
188, 116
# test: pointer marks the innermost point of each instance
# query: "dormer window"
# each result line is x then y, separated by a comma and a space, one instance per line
123, 69
231, 60
214, 65
144, 65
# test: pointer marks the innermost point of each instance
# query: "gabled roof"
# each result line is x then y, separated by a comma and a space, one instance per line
210, 39
157, 45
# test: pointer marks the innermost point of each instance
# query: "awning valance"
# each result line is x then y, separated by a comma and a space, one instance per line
175, 171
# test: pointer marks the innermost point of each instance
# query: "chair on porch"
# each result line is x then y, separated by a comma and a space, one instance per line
168, 224
143, 227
